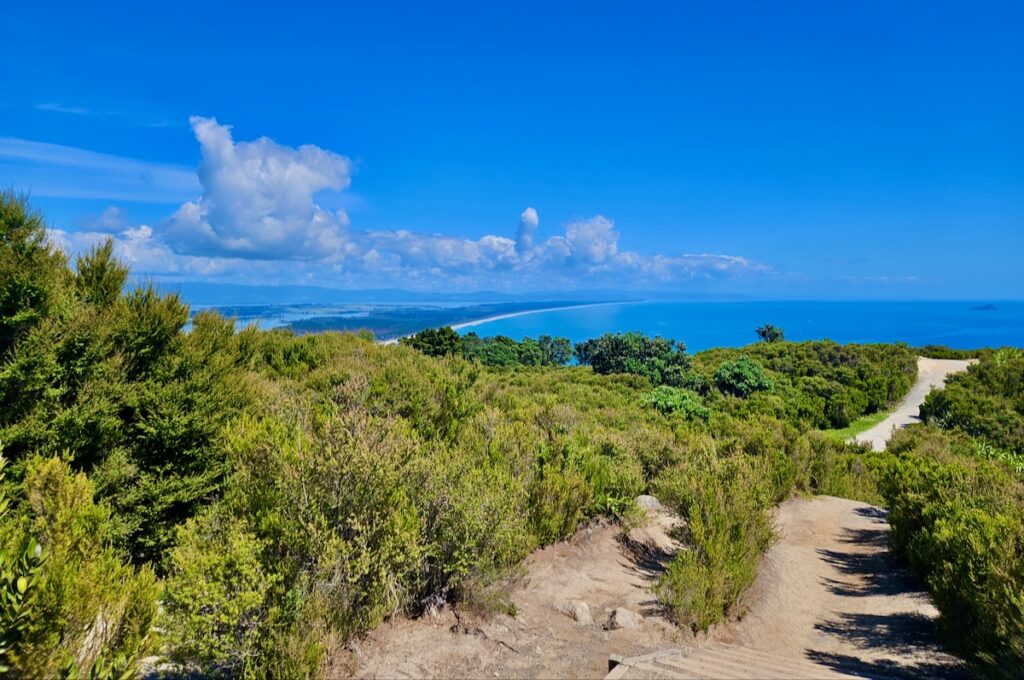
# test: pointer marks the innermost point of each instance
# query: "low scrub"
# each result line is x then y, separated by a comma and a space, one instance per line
959, 520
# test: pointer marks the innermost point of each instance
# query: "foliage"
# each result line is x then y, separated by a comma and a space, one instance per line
675, 400
742, 377
555, 351
283, 494
725, 502
435, 342
498, 351
217, 597
91, 613
818, 384
19, 581
33, 273
959, 520
661, 361
770, 333
944, 352
986, 402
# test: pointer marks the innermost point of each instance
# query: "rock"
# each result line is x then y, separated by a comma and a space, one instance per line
623, 618
649, 503
578, 611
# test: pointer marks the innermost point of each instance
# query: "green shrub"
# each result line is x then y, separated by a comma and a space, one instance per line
742, 377
726, 505
218, 595
675, 400
661, 361
91, 612
959, 522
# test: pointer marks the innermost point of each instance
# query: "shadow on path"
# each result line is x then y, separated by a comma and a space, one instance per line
883, 668
867, 568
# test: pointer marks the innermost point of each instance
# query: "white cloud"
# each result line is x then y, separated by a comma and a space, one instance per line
592, 241
258, 200
253, 216
111, 220
528, 222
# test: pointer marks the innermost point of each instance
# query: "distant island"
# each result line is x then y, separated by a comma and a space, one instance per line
984, 308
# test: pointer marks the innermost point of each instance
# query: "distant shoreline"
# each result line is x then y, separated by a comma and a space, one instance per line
511, 315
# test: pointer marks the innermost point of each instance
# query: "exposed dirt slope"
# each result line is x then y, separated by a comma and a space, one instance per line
543, 640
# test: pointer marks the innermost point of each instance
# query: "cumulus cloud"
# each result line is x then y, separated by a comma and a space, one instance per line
528, 222
255, 217
258, 200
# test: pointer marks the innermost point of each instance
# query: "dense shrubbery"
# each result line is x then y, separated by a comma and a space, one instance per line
819, 384
497, 351
742, 378
675, 400
661, 361
986, 402
959, 520
944, 352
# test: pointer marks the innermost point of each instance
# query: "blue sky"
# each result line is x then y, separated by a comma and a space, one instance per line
846, 150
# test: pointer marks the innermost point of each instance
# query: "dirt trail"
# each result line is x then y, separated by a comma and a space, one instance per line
831, 592
543, 639
930, 373
830, 600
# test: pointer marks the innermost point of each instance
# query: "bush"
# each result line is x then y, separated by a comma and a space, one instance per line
742, 378
726, 505
770, 333
960, 524
435, 342
674, 400
219, 594
90, 611
986, 402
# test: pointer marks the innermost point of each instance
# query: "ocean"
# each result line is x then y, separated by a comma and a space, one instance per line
962, 325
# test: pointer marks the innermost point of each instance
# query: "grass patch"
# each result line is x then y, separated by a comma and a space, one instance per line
856, 427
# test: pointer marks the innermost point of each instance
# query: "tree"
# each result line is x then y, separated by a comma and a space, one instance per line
556, 351
100, 278
660, 360
33, 272
770, 333
435, 342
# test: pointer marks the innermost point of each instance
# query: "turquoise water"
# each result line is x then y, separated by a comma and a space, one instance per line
715, 324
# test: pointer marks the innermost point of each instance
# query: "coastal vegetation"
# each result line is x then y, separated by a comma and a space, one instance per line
246, 503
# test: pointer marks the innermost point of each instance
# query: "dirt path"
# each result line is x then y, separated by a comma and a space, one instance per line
543, 639
930, 373
831, 592
830, 600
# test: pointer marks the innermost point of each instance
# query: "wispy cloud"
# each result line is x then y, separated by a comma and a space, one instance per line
53, 170
59, 108
148, 121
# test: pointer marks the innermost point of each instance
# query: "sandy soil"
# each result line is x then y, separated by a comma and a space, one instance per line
930, 373
597, 567
831, 592
828, 592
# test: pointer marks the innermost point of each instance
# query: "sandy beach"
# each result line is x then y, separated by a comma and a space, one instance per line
510, 315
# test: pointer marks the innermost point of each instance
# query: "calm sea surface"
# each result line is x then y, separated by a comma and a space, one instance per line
714, 324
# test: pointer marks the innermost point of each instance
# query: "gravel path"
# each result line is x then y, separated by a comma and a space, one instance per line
930, 373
